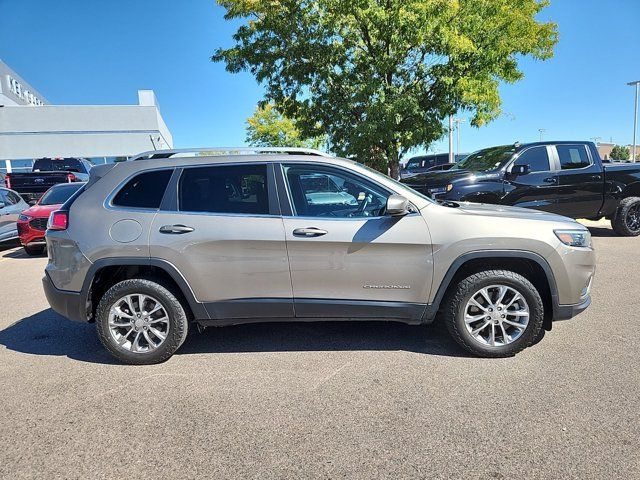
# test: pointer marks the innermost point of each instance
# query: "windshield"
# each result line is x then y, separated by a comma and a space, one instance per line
58, 165
486, 160
59, 194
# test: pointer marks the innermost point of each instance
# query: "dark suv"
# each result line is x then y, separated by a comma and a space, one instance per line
428, 163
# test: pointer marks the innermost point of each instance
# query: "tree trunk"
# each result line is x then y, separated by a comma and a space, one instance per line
394, 165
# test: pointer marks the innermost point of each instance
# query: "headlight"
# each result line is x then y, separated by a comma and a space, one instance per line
574, 238
24, 218
439, 190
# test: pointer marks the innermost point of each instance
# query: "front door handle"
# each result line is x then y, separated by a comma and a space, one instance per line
596, 177
550, 180
176, 229
309, 232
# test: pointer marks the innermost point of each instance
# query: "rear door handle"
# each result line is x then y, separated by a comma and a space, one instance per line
176, 229
596, 177
550, 180
309, 232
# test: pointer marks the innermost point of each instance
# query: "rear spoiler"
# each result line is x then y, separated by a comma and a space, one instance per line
97, 172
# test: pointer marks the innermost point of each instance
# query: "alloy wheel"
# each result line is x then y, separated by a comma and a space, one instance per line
496, 315
633, 217
138, 323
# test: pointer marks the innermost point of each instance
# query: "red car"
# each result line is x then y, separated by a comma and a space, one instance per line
32, 222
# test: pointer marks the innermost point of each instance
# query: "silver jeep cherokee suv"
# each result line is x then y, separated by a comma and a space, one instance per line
151, 245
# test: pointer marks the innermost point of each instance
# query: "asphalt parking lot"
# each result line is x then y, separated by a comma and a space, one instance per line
357, 400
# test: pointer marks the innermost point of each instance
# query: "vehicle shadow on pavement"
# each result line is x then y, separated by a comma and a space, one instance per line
324, 336
602, 232
11, 244
47, 333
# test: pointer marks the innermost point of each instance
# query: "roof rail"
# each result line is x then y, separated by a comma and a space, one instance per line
202, 152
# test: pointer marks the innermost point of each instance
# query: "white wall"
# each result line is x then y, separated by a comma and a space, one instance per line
80, 131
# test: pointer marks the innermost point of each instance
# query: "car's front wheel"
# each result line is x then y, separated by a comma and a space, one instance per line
141, 322
494, 313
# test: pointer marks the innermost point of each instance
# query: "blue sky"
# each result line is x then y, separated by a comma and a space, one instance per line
90, 52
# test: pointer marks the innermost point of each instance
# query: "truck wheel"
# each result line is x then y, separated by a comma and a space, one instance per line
626, 221
495, 313
141, 322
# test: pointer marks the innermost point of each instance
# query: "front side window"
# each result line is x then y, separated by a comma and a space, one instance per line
318, 191
536, 158
573, 156
144, 190
225, 189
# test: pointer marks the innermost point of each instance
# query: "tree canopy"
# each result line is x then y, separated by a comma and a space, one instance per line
380, 76
619, 152
269, 128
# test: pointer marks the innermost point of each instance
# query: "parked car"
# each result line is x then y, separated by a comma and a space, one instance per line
45, 173
425, 163
567, 178
11, 205
175, 246
32, 223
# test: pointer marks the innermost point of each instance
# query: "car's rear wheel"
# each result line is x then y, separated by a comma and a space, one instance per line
494, 313
141, 322
34, 250
626, 221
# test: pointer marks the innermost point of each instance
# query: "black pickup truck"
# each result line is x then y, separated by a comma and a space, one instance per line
567, 178
47, 172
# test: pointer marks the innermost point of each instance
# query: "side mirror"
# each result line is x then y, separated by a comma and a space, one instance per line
2, 205
397, 205
519, 170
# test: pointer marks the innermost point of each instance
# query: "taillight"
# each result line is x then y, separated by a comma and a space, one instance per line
58, 220
71, 177
7, 180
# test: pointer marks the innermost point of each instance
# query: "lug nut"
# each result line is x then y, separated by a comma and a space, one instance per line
502, 316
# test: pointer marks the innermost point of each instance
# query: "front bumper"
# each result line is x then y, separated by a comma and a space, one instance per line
68, 304
28, 234
565, 312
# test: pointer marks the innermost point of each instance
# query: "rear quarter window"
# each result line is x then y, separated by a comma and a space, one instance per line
145, 190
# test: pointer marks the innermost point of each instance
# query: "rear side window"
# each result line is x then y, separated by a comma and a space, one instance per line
225, 189
573, 156
12, 197
59, 165
537, 159
144, 190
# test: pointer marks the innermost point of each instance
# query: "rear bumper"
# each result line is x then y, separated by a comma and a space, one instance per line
68, 304
565, 312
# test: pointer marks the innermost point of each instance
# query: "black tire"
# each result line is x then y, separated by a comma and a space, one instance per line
456, 301
34, 250
626, 221
177, 326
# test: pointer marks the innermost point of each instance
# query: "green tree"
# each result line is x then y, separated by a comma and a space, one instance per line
619, 152
380, 76
269, 128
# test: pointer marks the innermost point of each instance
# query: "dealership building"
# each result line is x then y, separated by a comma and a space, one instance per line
31, 127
